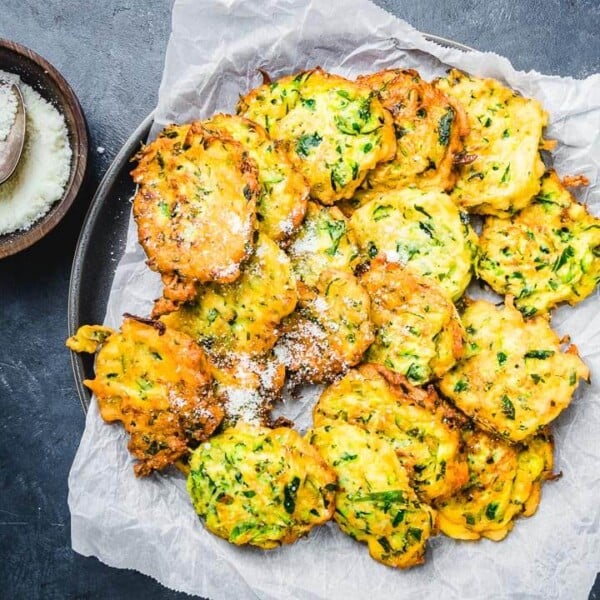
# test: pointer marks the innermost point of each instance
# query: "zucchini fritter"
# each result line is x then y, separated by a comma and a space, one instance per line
422, 428
247, 386
429, 129
322, 243
259, 486
546, 254
514, 378
333, 129
424, 230
505, 136
505, 483
195, 208
418, 332
156, 382
284, 192
331, 330
243, 316
375, 503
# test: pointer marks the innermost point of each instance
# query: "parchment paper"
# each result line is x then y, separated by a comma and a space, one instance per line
148, 524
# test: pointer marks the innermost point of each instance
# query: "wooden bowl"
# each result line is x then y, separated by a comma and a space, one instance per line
51, 85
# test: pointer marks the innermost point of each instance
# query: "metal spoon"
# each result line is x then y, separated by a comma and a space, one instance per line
12, 147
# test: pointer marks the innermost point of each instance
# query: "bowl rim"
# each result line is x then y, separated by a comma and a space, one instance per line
11, 243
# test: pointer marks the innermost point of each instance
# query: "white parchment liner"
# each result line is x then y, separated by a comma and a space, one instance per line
148, 524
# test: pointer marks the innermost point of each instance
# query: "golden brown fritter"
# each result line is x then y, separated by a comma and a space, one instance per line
243, 316
333, 129
322, 243
429, 130
514, 378
156, 382
418, 332
195, 208
284, 192
247, 386
505, 136
421, 229
546, 254
505, 483
329, 332
375, 503
259, 486
422, 428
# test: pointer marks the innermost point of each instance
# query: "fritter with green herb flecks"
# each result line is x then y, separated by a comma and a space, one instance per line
514, 378
195, 208
423, 429
155, 381
243, 316
504, 484
505, 137
259, 486
375, 503
329, 332
418, 332
429, 130
546, 254
423, 230
322, 243
333, 129
247, 386
284, 192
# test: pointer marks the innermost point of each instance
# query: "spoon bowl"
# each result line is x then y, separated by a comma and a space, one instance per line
11, 148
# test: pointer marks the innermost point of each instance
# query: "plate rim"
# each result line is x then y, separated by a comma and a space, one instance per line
98, 200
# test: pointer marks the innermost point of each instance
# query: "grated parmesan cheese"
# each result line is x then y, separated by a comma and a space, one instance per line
44, 168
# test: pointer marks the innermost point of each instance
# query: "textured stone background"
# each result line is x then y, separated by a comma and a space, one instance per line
111, 52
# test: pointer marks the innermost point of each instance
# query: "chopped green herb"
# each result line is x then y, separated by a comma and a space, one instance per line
539, 354
422, 211
461, 386
444, 127
566, 254
308, 103
427, 228
289, 495
508, 408
501, 358
307, 141
335, 229
381, 212
398, 518
491, 510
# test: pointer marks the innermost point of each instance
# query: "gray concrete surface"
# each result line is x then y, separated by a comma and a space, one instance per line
111, 51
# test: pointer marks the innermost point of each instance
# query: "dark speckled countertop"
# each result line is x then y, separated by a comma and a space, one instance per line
111, 52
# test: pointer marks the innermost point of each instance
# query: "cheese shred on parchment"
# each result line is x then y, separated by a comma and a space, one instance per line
44, 168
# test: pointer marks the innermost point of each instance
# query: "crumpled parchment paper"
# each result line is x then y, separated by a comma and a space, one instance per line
148, 524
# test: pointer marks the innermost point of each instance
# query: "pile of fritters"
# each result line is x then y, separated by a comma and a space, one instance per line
323, 235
